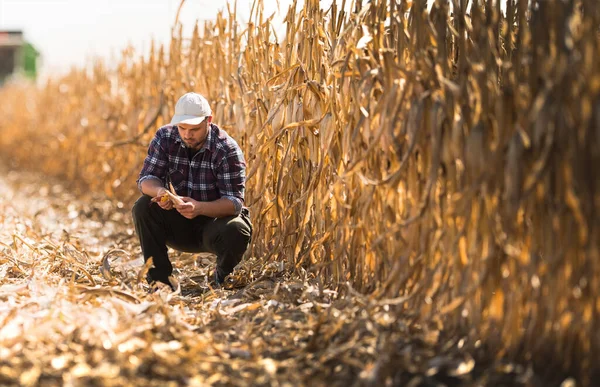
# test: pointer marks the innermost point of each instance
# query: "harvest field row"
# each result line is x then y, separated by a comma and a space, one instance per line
442, 159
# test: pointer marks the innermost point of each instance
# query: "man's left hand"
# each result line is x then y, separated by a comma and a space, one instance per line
189, 209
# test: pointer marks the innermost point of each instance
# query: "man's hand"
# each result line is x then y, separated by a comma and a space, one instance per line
190, 207
159, 199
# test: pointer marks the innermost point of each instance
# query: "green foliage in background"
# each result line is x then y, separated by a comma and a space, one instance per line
30, 56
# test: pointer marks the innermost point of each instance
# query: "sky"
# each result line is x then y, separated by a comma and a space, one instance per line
72, 32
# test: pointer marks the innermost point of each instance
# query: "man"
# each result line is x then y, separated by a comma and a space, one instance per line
207, 168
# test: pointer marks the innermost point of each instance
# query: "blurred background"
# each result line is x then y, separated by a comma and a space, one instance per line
47, 37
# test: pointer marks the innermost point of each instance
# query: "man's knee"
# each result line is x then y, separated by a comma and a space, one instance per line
237, 233
141, 208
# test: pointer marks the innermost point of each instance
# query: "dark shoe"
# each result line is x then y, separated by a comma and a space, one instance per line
153, 284
217, 281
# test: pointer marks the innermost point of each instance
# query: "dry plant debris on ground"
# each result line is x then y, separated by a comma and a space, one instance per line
73, 312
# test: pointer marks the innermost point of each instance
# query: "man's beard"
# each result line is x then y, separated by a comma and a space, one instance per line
192, 145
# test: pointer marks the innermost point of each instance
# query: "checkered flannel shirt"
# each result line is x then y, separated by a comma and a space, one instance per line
217, 170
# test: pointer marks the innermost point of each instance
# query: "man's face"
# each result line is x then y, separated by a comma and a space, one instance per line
194, 135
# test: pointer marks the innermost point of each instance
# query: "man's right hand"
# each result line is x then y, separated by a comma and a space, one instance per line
158, 199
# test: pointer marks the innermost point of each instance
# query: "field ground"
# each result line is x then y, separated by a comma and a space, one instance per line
66, 322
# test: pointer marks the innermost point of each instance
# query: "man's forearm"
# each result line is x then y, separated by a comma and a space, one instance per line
217, 209
150, 187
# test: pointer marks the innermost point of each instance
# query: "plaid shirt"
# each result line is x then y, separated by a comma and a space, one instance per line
217, 170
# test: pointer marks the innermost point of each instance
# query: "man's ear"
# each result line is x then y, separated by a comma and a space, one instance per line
209, 119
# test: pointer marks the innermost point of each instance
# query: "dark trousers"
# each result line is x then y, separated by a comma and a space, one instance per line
227, 237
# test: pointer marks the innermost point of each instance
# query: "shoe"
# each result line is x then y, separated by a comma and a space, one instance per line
153, 284
217, 281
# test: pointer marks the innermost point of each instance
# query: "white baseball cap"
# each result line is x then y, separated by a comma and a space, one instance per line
192, 108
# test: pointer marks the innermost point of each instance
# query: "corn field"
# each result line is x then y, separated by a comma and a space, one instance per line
439, 161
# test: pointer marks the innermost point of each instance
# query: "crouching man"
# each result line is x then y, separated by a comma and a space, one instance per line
207, 169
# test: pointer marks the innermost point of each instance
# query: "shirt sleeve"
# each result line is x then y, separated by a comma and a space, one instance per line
231, 178
155, 163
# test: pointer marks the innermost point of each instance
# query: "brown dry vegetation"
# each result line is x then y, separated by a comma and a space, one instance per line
440, 162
